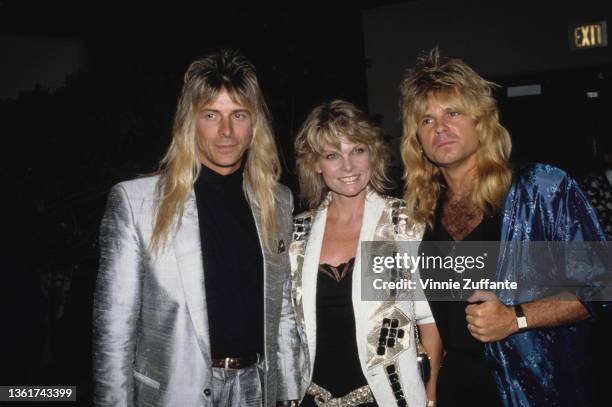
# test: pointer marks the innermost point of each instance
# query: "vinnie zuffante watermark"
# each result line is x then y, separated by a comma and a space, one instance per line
457, 264
453, 271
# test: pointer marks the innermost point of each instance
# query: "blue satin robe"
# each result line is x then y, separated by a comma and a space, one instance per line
544, 367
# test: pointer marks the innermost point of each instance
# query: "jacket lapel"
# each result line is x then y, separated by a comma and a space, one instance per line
269, 285
374, 206
373, 209
310, 270
188, 251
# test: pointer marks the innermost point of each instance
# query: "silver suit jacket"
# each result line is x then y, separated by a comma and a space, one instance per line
151, 335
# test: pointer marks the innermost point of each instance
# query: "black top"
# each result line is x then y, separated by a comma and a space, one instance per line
465, 378
233, 265
336, 366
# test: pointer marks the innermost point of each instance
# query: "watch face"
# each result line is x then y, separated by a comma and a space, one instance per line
522, 322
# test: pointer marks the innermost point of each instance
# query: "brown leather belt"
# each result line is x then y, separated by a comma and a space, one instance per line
235, 363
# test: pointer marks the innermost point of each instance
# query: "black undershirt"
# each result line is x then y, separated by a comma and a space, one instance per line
336, 367
233, 265
465, 378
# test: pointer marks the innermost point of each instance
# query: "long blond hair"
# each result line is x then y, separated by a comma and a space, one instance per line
454, 81
179, 168
331, 123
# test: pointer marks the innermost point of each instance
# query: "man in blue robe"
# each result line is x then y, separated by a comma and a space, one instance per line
530, 349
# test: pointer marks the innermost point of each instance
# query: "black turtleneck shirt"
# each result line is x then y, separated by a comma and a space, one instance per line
233, 265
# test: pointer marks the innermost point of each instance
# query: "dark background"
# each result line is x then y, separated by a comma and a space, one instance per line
64, 147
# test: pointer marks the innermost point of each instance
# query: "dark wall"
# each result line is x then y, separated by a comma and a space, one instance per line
565, 123
497, 39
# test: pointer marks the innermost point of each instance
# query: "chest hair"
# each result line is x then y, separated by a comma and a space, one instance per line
460, 217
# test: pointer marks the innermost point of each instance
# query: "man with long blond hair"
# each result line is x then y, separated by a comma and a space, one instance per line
500, 348
192, 304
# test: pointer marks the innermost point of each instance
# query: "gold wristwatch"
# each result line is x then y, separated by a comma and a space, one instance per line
521, 319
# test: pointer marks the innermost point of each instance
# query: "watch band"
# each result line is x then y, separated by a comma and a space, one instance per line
521, 319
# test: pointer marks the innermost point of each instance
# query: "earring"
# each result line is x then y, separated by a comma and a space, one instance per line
420, 145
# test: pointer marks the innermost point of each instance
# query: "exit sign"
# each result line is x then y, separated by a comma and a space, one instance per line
585, 36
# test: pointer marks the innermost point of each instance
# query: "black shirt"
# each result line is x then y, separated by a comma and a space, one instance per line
337, 367
233, 265
465, 377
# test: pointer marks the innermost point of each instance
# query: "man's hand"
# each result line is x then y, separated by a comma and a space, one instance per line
489, 320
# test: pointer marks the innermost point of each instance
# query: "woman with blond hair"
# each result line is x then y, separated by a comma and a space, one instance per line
356, 352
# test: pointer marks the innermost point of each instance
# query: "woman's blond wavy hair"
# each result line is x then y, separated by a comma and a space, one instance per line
456, 83
179, 168
329, 124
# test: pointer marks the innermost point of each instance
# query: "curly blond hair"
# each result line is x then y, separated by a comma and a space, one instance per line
329, 124
454, 81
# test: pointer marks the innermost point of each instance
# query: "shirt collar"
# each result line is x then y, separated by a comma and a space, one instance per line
210, 177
